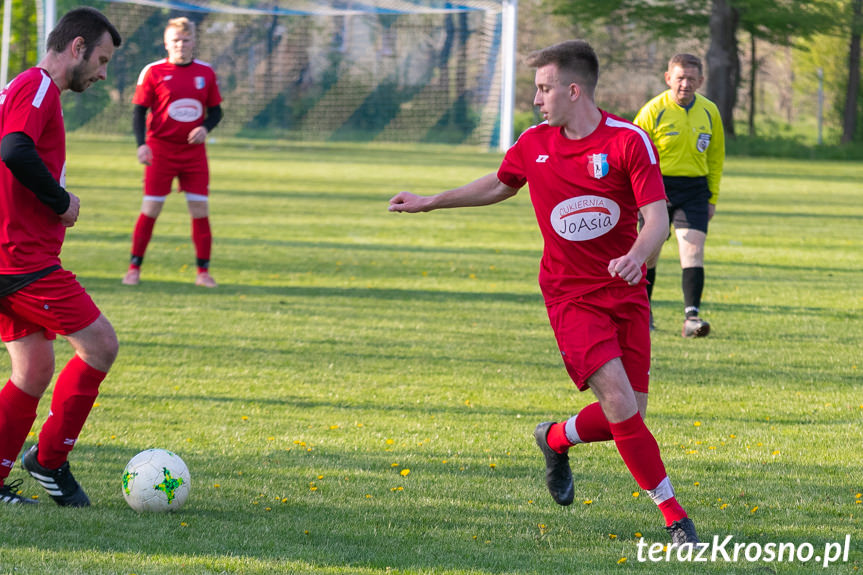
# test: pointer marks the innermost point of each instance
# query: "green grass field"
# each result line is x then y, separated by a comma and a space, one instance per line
360, 392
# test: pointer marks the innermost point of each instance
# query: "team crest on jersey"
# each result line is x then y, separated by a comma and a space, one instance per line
597, 165
703, 142
200, 82
584, 217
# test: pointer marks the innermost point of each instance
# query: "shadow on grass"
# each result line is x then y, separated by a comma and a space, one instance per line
474, 520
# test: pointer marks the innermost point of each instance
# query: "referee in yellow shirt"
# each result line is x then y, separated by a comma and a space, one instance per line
687, 130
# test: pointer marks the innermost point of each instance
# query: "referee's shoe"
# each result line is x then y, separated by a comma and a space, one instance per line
59, 483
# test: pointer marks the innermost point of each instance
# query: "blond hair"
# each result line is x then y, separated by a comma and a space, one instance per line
183, 24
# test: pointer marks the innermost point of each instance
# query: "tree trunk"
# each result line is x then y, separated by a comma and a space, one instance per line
723, 62
849, 121
753, 68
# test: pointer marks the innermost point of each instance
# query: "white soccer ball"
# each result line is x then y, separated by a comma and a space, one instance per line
156, 480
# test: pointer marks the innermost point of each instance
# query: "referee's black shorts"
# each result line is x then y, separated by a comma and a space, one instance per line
688, 200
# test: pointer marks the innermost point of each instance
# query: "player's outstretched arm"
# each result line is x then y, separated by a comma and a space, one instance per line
651, 236
482, 192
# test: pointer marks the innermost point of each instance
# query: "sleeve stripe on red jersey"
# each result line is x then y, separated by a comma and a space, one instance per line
43, 89
612, 123
147, 67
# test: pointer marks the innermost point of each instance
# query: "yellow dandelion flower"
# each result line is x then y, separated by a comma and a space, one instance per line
444, 461
636, 494
216, 485
732, 436
313, 488
245, 418
697, 424
268, 508
284, 499
776, 452
334, 427
368, 496
612, 536
697, 483
723, 506
404, 472
389, 441
588, 501
271, 438
492, 465
621, 561
638, 535
859, 495
394, 464
96, 404
754, 509
184, 524
306, 532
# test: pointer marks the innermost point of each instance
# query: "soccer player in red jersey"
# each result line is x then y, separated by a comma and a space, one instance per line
589, 174
183, 96
38, 298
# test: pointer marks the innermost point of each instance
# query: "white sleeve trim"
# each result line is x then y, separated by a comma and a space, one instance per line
611, 122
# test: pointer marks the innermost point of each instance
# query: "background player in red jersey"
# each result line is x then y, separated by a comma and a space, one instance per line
589, 174
38, 298
184, 98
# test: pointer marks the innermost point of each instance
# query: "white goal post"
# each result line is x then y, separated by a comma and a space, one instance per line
326, 70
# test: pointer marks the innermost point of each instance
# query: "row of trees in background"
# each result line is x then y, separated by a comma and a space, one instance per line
726, 25
733, 37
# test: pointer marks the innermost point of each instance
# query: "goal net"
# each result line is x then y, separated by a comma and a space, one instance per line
329, 70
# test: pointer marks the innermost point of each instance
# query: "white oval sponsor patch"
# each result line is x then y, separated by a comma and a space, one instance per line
186, 110
584, 217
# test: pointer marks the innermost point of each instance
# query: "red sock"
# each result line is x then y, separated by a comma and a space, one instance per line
672, 511
591, 424
74, 394
203, 240
17, 414
640, 453
557, 438
141, 236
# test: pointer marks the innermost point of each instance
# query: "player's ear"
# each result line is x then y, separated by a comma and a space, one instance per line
79, 46
574, 91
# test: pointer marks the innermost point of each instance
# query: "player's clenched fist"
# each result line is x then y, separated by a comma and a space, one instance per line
408, 202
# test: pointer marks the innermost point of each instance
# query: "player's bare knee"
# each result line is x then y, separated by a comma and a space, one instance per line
34, 377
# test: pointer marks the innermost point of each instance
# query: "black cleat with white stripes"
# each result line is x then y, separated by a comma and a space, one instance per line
9, 494
59, 483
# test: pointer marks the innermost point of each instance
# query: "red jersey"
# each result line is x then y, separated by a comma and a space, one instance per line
178, 97
586, 194
31, 234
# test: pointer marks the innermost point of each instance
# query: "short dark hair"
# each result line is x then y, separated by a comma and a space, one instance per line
686, 61
573, 57
86, 22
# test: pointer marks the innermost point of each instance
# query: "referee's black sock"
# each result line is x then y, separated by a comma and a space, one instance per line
651, 278
693, 286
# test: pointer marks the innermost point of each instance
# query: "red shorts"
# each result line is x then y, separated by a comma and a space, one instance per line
54, 304
186, 162
597, 327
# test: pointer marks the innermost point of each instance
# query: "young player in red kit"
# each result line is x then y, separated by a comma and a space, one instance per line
589, 174
38, 298
184, 98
